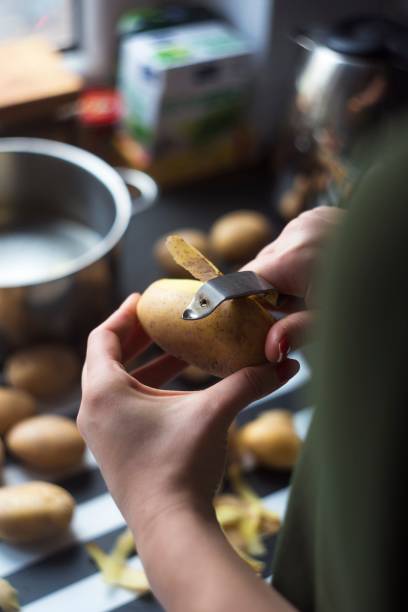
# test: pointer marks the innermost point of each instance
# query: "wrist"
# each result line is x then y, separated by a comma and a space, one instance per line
155, 516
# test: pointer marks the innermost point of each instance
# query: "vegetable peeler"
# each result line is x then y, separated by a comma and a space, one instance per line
227, 287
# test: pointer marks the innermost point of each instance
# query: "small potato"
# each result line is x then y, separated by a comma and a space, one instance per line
195, 376
45, 370
34, 511
46, 442
198, 239
15, 405
291, 204
238, 236
2, 454
271, 439
232, 337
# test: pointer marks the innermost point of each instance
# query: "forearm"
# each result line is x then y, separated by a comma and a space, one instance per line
192, 567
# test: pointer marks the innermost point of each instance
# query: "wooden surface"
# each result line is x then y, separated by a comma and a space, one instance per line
33, 79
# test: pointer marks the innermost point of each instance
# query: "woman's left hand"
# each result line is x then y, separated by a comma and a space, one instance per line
159, 450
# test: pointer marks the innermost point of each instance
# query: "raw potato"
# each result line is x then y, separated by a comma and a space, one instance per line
44, 370
2, 454
15, 405
195, 376
195, 237
34, 511
271, 439
46, 442
237, 237
232, 337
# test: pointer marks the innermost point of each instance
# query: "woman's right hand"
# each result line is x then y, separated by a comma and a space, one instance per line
289, 264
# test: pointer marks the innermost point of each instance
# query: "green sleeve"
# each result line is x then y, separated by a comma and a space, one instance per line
342, 544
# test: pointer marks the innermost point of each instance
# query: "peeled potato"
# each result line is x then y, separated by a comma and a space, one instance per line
232, 337
46, 442
44, 371
239, 236
194, 237
34, 511
15, 405
271, 439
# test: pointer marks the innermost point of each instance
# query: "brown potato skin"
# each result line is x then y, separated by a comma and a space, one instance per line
15, 405
271, 439
229, 339
34, 511
44, 370
198, 239
237, 237
46, 442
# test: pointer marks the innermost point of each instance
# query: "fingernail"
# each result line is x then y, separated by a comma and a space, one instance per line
283, 349
287, 370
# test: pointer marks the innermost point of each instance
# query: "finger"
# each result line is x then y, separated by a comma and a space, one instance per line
288, 334
126, 326
232, 394
159, 371
121, 336
115, 340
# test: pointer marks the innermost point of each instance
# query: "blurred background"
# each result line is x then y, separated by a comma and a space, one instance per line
226, 106
122, 122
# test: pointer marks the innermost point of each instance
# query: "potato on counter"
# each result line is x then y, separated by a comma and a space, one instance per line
238, 236
15, 405
195, 376
46, 442
195, 237
270, 439
45, 370
2, 454
34, 511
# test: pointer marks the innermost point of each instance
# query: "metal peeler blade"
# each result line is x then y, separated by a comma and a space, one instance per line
225, 287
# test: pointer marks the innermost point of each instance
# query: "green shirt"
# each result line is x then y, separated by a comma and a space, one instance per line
343, 544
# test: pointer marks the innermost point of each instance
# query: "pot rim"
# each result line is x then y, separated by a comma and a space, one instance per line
100, 170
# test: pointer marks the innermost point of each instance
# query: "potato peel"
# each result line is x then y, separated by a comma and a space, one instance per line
201, 268
124, 546
8, 597
242, 518
190, 258
116, 572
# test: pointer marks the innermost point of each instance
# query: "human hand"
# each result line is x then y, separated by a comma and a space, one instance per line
289, 264
159, 450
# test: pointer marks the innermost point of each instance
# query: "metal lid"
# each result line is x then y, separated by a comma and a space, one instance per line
375, 37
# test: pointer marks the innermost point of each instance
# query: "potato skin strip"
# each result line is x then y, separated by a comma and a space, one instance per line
118, 573
8, 597
190, 258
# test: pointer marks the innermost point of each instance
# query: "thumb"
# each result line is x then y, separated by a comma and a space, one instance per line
230, 395
288, 334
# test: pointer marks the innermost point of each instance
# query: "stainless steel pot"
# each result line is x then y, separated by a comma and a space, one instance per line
352, 81
63, 213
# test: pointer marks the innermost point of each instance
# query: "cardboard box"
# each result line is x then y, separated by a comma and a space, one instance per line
186, 94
